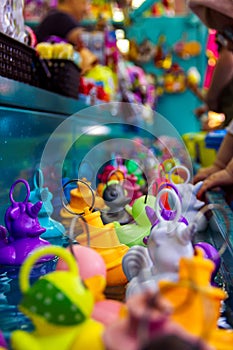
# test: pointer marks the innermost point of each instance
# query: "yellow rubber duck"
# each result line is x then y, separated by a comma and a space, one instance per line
104, 239
60, 307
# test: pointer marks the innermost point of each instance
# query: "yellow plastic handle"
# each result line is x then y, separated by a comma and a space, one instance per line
27, 266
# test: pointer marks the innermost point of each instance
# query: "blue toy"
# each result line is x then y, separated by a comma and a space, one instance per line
54, 229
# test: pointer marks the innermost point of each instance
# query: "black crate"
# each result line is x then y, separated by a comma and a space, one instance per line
17, 60
60, 76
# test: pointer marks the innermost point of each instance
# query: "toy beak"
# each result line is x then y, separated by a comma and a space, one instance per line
96, 285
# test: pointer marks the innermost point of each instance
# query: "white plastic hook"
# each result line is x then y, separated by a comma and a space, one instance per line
179, 167
176, 201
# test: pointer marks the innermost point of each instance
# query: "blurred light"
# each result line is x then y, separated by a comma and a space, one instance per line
118, 15
215, 119
120, 34
96, 130
123, 45
137, 3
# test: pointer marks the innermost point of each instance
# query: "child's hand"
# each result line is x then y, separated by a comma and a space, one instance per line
219, 178
203, 173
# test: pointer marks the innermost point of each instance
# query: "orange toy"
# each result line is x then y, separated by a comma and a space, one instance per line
196, 303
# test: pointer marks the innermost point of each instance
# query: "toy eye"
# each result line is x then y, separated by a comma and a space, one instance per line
113, 193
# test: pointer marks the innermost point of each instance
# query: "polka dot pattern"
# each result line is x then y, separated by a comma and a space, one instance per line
47, 301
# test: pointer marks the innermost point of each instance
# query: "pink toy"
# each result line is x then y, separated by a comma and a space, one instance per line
148, 318
91, 264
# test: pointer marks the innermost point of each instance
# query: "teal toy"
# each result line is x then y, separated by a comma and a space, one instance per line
133, 234
54, 229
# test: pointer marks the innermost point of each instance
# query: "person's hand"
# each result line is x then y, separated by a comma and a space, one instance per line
219, 178
203, 173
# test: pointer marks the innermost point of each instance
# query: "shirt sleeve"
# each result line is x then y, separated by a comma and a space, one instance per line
57, 24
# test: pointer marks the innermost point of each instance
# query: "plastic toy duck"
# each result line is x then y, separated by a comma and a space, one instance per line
193, 298
169, 240
115, 199
81, 197
147, 318
60, 307
104, 240
24, 230
54, 229
133, 234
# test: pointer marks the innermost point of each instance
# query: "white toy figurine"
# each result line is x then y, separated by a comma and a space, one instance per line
168, 242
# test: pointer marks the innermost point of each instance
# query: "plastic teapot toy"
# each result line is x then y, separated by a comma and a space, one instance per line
24, 229
54, 229
60, 307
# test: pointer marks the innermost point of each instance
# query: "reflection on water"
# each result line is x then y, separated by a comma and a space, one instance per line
10, 295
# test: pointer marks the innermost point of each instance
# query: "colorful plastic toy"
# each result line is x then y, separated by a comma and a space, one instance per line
103, 239
188, 193
132, 188
60, 307
93, 272
24, 229
193, 298
169, 240
54, 229
134, 234
115, 199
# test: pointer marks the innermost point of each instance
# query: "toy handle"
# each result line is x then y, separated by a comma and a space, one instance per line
13, 187
169, 163
24, 275
177, 203
168, 184
114, 172
92, 194
180, 167
71, 234
38, 181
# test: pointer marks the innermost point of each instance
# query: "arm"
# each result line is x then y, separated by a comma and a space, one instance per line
222, 75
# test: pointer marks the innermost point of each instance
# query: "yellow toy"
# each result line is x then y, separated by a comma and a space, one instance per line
196, 303
81, 197
60, 306
104, 240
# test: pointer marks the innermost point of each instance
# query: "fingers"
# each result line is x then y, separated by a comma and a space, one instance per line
205, 172
220, 178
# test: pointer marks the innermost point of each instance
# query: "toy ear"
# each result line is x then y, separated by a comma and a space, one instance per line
151, 214
197, 187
